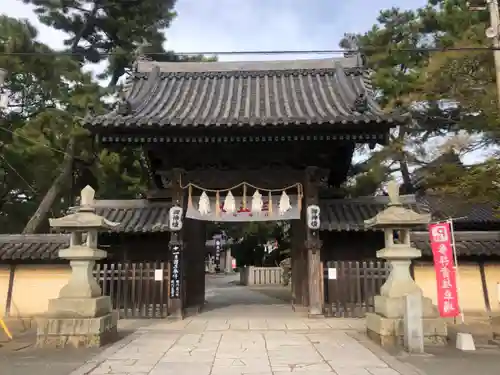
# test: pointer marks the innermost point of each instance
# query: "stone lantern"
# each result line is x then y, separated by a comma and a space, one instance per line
386, 325
80, 316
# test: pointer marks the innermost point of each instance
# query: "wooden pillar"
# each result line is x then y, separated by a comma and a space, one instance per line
188, 252
194, 264
294, 245
300, 293
198, 264
177, 304
313, 246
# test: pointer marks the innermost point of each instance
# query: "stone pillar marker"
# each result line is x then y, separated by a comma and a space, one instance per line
386, 325
80, 316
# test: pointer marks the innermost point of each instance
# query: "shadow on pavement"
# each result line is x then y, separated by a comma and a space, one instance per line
21, 357
450, 361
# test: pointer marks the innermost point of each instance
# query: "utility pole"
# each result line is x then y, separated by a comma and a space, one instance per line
493, 33
4, 99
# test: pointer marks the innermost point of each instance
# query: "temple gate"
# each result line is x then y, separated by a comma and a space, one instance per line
278, 126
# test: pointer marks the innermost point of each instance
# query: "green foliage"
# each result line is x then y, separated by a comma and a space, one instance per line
96, 28
445, 92
250, 239
49, 94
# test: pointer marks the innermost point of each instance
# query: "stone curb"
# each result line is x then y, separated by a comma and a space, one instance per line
402, 368
93, 363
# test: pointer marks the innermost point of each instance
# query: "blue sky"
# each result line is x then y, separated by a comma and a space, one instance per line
224, 25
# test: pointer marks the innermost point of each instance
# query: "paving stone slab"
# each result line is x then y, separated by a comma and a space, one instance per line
261, 338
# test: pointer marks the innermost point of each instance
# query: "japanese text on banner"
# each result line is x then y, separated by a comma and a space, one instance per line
442, 251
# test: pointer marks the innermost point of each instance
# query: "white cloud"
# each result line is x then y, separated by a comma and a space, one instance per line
231, 25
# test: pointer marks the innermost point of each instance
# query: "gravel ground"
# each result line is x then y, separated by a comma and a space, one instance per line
20, 357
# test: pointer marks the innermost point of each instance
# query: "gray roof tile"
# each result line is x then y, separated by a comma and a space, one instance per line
32, 246
462, 211
350, 214
135, 215
46, 246
247, 93
477, 243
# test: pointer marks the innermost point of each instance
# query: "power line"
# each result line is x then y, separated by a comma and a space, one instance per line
33, 190
32, 141
269, 52
18, 174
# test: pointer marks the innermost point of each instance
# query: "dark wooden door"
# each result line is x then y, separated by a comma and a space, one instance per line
133, 289
351, 294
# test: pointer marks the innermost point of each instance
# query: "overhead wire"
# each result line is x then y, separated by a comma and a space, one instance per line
267, 52
234, 52
33, 141
18, 174
33, 190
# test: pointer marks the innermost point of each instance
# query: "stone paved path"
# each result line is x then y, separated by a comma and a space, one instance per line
260, 338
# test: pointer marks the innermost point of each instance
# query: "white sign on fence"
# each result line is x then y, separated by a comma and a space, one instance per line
332, 274
158, 275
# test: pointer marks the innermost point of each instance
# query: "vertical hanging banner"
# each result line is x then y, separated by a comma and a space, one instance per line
175, 272
444, 265
218, 248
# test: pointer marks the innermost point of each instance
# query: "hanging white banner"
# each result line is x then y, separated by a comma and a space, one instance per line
243, 214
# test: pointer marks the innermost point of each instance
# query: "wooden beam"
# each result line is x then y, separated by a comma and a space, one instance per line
246, 156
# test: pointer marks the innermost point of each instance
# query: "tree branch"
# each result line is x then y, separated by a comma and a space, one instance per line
90, 21
43, 209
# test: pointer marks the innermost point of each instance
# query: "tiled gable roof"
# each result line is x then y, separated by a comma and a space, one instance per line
32, 246
465, 214
135, 215
350, 214
467, 243
214, 94
46, 246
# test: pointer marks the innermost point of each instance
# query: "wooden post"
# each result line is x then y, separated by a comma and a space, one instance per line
313, 247
300, 288
294, 244
177, 304
10, 289
199, 263
188, 259
194, 265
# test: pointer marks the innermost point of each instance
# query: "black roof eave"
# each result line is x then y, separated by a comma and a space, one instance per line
378, 123
335, 130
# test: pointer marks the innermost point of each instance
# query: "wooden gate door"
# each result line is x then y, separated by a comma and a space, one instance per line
134, 290
351, 294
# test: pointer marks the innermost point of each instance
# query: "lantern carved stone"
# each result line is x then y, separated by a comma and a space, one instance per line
80, 316
386, 324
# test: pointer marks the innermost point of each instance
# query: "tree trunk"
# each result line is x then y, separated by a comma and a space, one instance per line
405, 172
48, 200
55, 190
403, 164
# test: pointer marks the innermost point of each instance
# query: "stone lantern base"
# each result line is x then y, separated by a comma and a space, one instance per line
64, 325
386, 325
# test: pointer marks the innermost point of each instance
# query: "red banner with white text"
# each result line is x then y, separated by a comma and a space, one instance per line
444, 265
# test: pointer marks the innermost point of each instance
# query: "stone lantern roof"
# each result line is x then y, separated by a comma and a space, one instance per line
396, 215
85, 219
